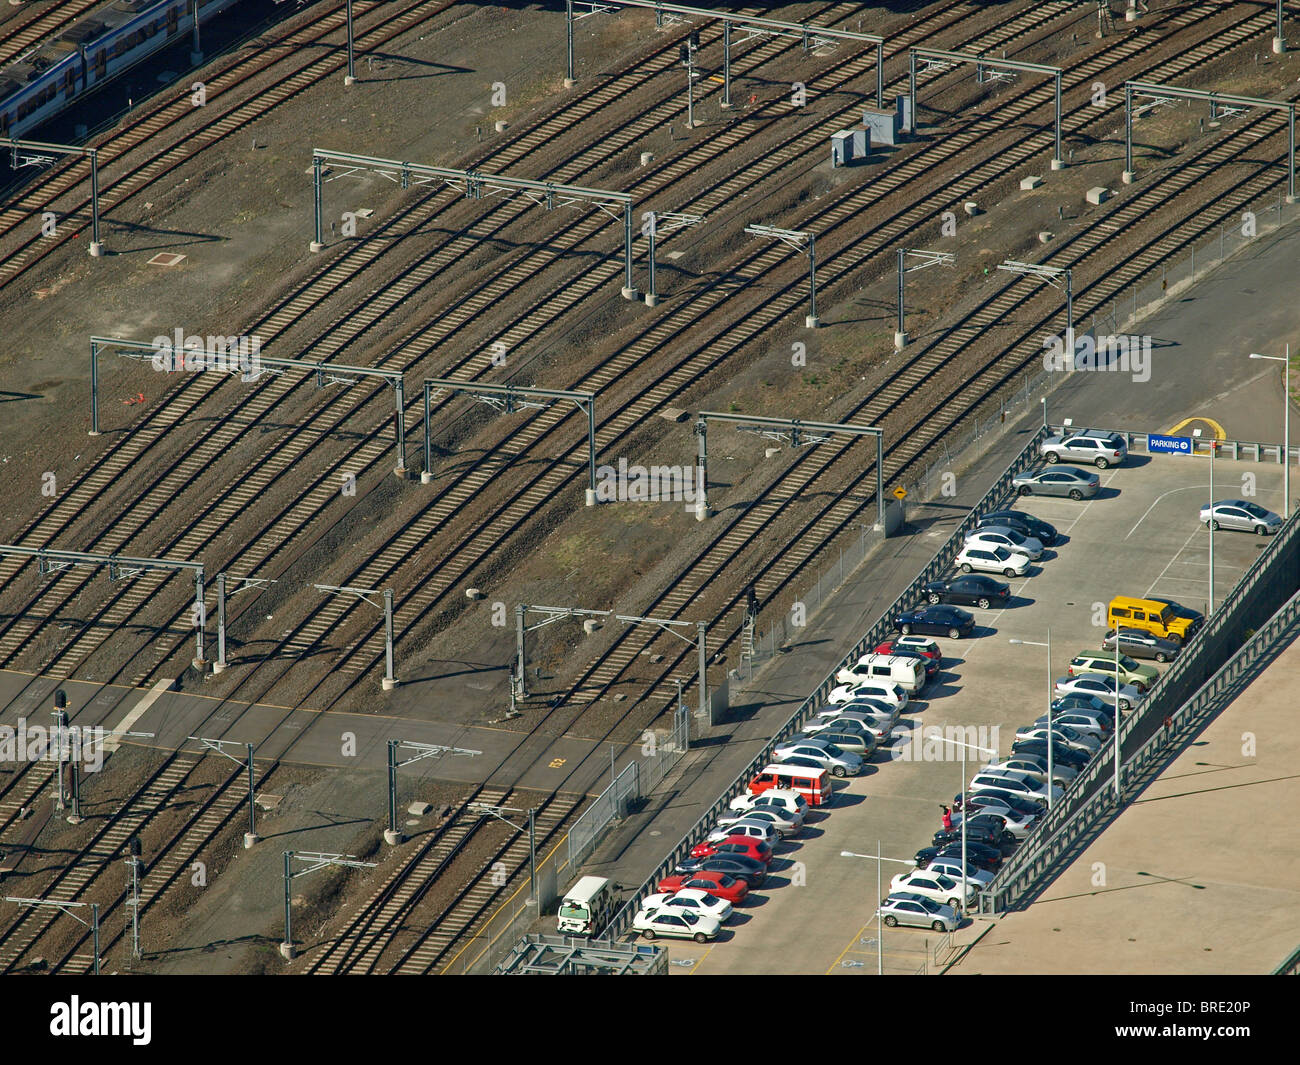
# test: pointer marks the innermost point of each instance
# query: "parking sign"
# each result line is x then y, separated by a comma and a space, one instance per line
1169, 445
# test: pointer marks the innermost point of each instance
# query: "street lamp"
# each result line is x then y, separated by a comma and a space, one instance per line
1285, 360
1051, 690
1209, 603
965, 812
880, 928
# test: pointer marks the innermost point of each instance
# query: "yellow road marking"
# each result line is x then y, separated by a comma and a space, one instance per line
857, 938
1219, 433
699, 961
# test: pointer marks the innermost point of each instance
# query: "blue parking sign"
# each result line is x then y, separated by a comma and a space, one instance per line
1169, 445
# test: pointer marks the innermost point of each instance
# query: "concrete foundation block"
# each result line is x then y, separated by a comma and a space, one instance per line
1031, 182
1098, 195
1128, 177
900, 341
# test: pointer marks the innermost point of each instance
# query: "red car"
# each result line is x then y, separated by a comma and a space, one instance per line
742, 845
889, 647
719, 884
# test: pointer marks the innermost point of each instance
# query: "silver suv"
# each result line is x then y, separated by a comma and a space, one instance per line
1090, 445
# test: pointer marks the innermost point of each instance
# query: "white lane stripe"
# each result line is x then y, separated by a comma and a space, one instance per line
114, 740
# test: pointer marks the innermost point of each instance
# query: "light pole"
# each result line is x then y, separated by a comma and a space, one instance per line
1117, 789
880, 928
1285, 360
1209, 603
497, 812
1051, 690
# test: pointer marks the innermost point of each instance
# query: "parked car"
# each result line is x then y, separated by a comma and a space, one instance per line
1005, 536
1194, 618
1069, 756
1042, 531
890, 694
789, 802
866, 708
992, 560
1016, 783
917, 911
980, 855
1085, 721
840, 763
751, 871
877, 725
860, 740
971, 589
689, 899
1084, 701
734, 846
1061, 734
1129, 672
1140, 644
1057, 481
984, 833
1102, 687
714, 883
685, 925
936, 888
1087, 445
1036, 765
950, 621
760, 830
993, 821
918, 644
1017, 823
1241, 515
928, 664
951, 868
781, 821
991, 797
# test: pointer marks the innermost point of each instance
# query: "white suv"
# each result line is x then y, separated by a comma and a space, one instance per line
992, 560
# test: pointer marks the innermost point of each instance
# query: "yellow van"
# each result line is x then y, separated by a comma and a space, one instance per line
1149, 615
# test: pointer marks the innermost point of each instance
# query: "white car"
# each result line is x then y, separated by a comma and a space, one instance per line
790, 802
1100, 686
925, 644
995, 536
685, 925
840, 762
762, 831
1015, 783
992, 560
951, 868
889, 694
1062, 734
691, 899
1089, 723
935, 887
878, 726
1036, 766
784, 822
916, 910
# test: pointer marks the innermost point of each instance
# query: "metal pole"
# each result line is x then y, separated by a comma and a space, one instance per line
94, 389
94, 924
1128, 128
198, 51
1059, 157
965, 816
627, 251
704, 681
94, 197
900, 289
392, 786
519, 640
388, 635
317, 243
591, 441
202, 619
726, 63
651, 291
880, 925
74, 765
702, 430
1117, 788
532, 851
135, 907
568, 34
352, 70
400, 468
288, 914
1050, 690
60, 723
252, 786
1286, 432
1069, 310
1290, 154
880, 481
911, 88
428, 438
1210, 603
812, 277
221, 624
880, 77
690, 86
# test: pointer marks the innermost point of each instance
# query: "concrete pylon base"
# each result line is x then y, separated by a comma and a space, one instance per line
701, 511
92, 433
250, 839
315, 246
812, 321
1058, 164
96, 248
287, 951
219, 667
349, 80
400, 472
900, 341
651, 299
1279, 46
1290, 199
569, 83
389, 683
590, 497
1128, 177
393, 838
74, 819
199, 663
725, 106
1130, 15
425, 477
630, 293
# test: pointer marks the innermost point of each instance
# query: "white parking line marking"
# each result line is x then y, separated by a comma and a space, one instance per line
1172, 491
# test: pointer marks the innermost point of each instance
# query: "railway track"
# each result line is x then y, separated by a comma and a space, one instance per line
29, 28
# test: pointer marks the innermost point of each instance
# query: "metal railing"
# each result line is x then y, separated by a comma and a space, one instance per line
610, 804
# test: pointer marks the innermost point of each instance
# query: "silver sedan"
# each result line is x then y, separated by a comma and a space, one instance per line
1057, 481
1242, 515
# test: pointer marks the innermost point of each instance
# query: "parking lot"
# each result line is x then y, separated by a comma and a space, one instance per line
1139, 537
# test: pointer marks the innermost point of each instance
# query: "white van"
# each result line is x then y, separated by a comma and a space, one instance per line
902, 670
586, 909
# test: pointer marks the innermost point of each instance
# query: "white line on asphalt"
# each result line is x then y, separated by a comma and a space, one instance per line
1189, 488
114, 740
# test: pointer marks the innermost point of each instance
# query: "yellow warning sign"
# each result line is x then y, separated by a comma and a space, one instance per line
900, 492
